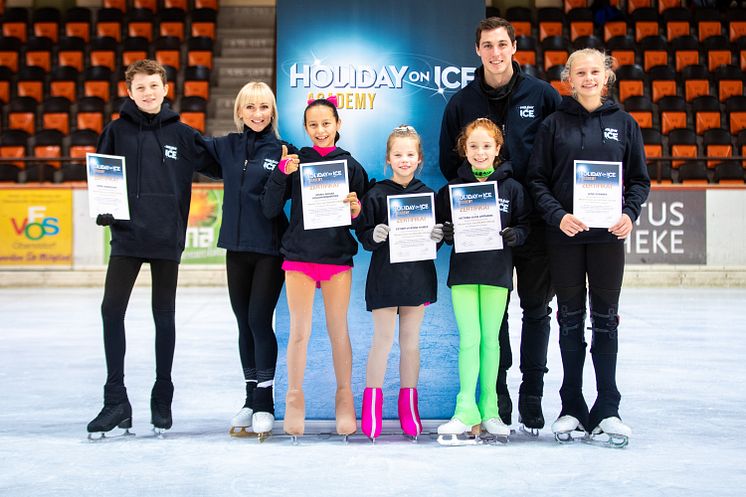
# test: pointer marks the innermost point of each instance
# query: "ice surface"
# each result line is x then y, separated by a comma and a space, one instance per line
681, 373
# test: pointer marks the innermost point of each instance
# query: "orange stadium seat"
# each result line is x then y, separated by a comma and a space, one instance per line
717, 143
568, 5
45, 23
39, 53
735, 109
168, 51
616, 27
718, 52
645, 22
103, 52
172, 22
525, 53
659, 171
736, 23
520, 18
116, 107
200, 51
47, 144
553, 77
55, 114
63, 82
682, 143
15, 23
591, 41
706, 110
77, 23
6, 81
197, 82
204, 23
662, 82
120, 5
623, 49
708, 22
685, 52
81, 142
673, 113
696, 81
740, 49
206, 4
151, 5
634, 5
13, 144
140, 23
729, 80
97, 82
641, 109
677, 22
580, 22
22, 114
109, 23
666, 5
630, 81
135, 48
550, 21
71, 52
654, 52
90, 114
556, 50
178, 4
30, 82
193, 111
9, 50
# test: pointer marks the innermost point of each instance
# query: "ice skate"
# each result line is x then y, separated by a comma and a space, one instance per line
241, 423
457, 433
409, 413
262, 423
112, 416
497, 430
371, 415
345, 413
617, 433
530, 415
564, 426
160, 406
295, 415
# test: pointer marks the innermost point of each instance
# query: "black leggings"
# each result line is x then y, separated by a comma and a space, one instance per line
120, 278
254, 285
603, 265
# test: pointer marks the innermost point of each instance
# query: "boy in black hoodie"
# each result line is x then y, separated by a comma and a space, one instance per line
517, 103
161, 155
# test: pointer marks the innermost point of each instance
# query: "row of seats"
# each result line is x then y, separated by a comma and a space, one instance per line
716, 144
78, 22
650, 52
641, 23
157, 5
704, 113
52, 141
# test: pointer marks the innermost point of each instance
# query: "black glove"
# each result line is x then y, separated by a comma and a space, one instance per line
510, 237
105, 220
448, 232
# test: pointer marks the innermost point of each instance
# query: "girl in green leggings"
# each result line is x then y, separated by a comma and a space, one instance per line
480, 280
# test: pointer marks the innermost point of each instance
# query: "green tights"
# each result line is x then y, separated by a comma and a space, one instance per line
479, 311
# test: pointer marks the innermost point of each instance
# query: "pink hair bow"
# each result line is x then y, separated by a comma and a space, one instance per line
332, 99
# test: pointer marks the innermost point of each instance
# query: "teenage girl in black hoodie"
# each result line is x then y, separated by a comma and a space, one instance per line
587, 127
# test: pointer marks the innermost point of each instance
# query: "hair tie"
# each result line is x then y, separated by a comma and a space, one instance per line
331, 99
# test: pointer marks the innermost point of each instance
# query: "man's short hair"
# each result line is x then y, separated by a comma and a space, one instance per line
493, 23
144, 66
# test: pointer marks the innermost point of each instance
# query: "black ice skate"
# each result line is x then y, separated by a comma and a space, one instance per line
160, 406
530, 415
113, 415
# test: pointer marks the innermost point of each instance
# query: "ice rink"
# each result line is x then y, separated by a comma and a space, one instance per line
681, 369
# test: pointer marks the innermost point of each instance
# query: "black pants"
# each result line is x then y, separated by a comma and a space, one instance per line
534, 288
603, 266
254, 285
120, 278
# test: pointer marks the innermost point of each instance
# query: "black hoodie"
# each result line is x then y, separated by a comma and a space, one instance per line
489, 267
325, 245
392, 285
161, 154
572, 133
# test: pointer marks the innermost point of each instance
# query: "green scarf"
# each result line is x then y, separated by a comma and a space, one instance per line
482, 173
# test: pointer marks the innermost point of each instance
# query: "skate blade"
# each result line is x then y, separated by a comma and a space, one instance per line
101, 436
567, 438
262, 437
530, 432
159, 432
455, 441
493, 439
241, 432
613, 441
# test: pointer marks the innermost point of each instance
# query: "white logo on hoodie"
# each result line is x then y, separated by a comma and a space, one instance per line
270, 164
611, 134
170, 151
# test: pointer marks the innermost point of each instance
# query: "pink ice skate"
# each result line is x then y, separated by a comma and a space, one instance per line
371, 418
409, 414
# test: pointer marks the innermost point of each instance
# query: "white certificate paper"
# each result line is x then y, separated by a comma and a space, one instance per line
323, 190
476, 217
597, 193
411, 219
107, 186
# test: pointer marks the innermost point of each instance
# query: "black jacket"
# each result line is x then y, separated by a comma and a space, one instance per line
572, 133
322, 246
392, 285
161, 154
529, 101
490, 267
246, 161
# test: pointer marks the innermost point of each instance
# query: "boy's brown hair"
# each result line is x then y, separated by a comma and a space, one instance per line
144, 66
493, 23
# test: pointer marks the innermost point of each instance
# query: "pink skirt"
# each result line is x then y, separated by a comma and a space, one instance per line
315, 271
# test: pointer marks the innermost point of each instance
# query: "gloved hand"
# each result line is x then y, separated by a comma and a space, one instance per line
510, 237
448, 232
105, 220
380, 233
436, 234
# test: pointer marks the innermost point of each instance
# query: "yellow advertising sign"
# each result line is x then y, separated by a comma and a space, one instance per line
36, 227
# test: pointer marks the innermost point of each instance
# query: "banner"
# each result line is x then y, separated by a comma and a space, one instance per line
389, 63
36, 227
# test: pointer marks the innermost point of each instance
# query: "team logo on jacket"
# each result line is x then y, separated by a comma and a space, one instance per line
170, 151
611, 134
269, 164
526, 111
504, 205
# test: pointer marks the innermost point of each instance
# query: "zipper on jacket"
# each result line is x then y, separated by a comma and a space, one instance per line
240, 189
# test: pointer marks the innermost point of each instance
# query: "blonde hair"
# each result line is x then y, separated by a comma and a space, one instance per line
255, 91
481, 122
607, 60
406, 131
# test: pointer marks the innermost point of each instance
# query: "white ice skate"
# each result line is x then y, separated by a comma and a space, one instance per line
241, 423
498, 431
455, 432
564, 426
262, 423
617, 433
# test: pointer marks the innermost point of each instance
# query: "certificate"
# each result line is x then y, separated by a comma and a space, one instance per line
107, 186
597, 192
476, 217
323, 188
411, 219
